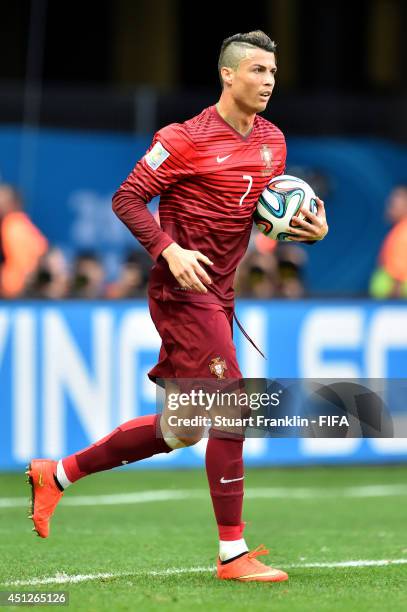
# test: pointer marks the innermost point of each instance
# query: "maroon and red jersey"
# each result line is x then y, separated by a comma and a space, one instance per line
209, 178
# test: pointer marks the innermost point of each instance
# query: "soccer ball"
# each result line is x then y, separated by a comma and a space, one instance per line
280, 202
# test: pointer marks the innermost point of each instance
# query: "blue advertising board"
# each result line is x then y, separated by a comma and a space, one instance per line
72, 371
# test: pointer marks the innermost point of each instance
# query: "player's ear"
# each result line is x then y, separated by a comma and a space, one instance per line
227, 75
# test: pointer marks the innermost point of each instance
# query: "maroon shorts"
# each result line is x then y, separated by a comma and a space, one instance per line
197, 341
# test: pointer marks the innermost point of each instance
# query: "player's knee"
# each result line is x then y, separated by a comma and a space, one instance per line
179, 439
179, 436
175, 442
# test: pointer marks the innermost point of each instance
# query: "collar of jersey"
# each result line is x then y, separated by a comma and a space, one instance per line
235, 132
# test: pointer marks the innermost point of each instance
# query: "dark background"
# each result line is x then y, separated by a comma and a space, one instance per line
341, 65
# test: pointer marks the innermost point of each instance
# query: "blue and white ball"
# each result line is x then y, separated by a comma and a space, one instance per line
282, 200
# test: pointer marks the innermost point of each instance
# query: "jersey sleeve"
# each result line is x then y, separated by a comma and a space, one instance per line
169, 159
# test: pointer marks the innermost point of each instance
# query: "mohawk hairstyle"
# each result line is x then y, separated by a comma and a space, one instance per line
234, 48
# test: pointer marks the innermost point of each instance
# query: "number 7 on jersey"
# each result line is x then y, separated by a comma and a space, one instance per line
249, 178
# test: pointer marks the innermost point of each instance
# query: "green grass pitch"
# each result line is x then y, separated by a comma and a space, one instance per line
304, 516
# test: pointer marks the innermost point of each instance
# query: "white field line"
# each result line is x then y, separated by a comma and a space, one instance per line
62, 578
141, 497
360, 563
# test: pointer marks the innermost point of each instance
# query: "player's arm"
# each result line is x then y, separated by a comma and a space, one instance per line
313, 228
185, 266
129, 203
169, 159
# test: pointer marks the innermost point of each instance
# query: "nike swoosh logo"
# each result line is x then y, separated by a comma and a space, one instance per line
222, 159
223, 481
40, 481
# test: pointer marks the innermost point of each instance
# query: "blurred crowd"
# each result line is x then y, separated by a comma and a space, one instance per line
389, 279
31, 268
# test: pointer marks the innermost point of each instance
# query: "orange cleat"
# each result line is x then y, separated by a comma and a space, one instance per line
247, 569
44, 494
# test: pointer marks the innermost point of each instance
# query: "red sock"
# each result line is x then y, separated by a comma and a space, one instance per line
224, 462
131, 441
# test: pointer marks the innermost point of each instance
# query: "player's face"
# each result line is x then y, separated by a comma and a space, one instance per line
254, 79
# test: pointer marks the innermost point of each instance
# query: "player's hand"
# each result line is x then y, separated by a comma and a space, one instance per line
313, 227
184, 265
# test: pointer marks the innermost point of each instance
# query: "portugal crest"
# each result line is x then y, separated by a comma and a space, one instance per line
267, 157
218, 366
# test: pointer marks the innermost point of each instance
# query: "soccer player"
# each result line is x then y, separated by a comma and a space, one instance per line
209, 172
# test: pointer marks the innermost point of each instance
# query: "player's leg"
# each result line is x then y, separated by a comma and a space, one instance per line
201, 349
224, 465
177, 435
225, 471
224, 452
137, 439
132, 441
